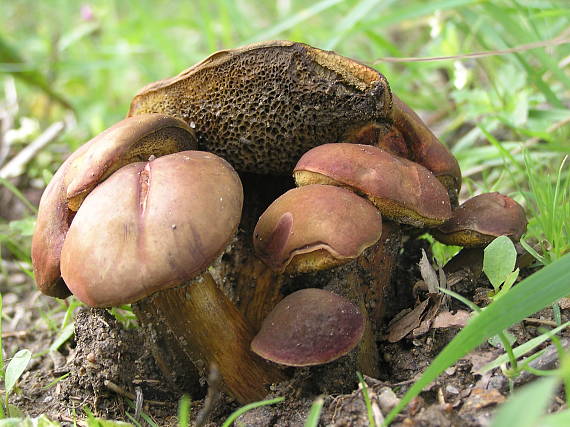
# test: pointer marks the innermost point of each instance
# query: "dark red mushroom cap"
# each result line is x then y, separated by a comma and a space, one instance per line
309, 327
402, 190
151, 226
315, 227
481, 219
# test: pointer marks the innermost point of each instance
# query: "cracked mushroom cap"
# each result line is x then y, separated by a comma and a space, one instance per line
309, 327
151, 226
425, 148
481, 219
315, 227
402, 190
132, 139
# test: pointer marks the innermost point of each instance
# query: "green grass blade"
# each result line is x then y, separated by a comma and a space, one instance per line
294, 20
357, 13
531, 295
184, 411
315, 412
526, 406
249, 407
366, 396
523, 348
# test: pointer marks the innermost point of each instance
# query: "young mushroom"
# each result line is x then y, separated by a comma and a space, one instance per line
309, 327
314, 228
481, 219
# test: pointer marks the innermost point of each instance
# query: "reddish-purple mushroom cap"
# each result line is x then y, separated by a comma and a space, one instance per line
309, 327
481, 219
315, 227
151, 226
402, 190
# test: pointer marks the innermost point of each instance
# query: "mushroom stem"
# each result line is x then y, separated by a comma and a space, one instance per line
209, 329
380, 261
260, 290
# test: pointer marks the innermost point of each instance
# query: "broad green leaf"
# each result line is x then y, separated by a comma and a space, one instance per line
527, 405
16, 368
499, 261
531, 295
509, 281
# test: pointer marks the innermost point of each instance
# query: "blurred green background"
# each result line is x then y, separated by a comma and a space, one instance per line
82, 62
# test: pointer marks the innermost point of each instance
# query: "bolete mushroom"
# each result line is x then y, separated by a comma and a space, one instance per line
309, 327
481, 219
402, 190
156, 226
133, 139
315, 227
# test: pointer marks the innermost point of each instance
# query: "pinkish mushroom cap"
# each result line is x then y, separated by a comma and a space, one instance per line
481, 219
129, 140
402, 190
309, 327
151, 226
315, 227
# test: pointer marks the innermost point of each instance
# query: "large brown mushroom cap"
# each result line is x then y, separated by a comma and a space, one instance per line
127, 141
151, 226
309, 327
265, 104
481, 219
315, 227
402, 190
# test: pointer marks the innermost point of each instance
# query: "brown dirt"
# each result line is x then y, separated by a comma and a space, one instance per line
105, 364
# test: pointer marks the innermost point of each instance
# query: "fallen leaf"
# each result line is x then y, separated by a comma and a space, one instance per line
481, 398
446, 319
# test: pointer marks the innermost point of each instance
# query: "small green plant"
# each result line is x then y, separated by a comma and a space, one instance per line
499, 265
549, 203
13, 372
531, 295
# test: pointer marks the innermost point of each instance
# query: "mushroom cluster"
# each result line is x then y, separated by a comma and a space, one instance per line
249, 268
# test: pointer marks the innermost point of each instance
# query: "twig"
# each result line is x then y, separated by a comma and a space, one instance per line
560, 40
15, 167
17, 334
214, 383
122, 392
7, 116
540, 321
